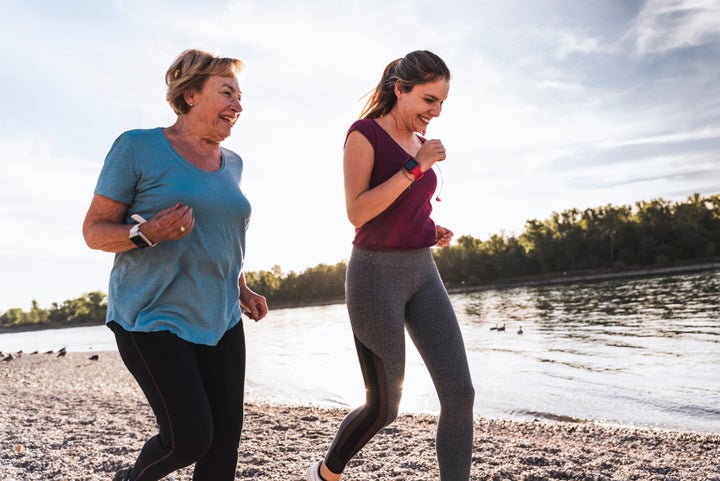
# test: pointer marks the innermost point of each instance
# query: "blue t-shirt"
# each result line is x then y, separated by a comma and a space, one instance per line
187, 286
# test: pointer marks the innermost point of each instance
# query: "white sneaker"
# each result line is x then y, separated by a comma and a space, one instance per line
313, 472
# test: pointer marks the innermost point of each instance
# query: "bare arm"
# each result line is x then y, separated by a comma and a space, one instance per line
361, 202
104, 228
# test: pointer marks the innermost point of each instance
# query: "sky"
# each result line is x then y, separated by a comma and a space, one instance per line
553, 105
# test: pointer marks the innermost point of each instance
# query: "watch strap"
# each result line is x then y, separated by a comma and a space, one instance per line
139, 238
413, 167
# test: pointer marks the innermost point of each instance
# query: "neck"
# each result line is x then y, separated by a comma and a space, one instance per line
184, 131
392, 123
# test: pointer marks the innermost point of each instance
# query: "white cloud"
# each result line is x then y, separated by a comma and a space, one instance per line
548, 110
665, 25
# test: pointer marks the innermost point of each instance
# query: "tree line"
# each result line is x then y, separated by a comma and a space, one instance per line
650, 233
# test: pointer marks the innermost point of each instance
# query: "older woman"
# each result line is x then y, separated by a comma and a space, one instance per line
168, 203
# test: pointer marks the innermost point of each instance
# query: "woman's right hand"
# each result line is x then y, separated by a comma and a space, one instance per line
169, 224
104, 227
430, 152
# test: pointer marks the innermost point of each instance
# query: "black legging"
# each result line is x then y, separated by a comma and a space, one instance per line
196, 393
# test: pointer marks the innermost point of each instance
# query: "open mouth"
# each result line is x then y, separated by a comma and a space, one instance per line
231, 119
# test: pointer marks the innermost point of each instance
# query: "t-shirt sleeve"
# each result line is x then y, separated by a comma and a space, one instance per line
118, 177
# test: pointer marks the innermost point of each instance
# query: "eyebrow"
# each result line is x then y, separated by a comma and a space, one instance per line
231, 88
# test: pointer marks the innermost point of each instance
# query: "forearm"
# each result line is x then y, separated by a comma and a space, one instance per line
108, 237
371, 203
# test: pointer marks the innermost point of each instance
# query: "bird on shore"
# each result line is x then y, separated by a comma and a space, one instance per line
61, 352
520, 331
94, 357
8, 358
501, 328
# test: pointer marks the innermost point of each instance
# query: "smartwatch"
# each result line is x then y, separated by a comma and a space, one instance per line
139, 238
413, 167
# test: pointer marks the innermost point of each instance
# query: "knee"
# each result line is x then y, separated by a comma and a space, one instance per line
461, 398
389, 405
380, 410
191, 444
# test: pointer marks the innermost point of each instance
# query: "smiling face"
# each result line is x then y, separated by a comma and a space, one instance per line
215, 108
424, 102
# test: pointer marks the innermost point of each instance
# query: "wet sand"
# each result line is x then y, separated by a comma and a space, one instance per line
72, 418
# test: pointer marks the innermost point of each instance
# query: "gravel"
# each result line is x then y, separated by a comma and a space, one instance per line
72, 418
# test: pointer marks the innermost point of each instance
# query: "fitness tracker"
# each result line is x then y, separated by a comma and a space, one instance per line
413, 167
139, 238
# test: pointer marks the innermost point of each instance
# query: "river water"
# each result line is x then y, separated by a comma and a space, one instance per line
642, 352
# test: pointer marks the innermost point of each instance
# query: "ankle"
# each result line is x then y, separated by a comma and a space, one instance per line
326, 474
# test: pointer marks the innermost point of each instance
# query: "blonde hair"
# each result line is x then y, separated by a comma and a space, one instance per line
418, 67
189, 72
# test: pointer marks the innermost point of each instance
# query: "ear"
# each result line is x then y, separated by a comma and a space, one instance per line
189, 97
401, 88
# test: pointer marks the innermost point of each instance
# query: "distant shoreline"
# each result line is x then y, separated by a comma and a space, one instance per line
530, 281
590, 276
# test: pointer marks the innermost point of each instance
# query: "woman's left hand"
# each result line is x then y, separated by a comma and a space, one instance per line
443, 236
254, 304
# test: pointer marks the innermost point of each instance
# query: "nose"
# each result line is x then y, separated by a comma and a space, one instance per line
236, 105
436, 110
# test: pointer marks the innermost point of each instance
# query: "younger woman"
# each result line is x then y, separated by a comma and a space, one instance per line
392, 281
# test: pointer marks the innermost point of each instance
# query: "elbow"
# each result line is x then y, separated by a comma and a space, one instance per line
356, 220
92, 241
92, 244
88, 238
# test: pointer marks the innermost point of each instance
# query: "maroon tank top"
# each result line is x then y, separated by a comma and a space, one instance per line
406, 223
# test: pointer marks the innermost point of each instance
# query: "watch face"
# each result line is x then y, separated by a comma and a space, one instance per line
410, 164
139, 241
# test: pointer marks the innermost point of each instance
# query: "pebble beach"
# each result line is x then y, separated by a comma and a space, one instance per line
69, 417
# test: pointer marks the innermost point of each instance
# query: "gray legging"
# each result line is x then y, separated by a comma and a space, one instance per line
386, 293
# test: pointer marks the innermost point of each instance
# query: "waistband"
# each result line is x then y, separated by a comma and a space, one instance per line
397, 258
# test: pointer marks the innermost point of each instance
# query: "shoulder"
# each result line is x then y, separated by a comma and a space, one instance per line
233, 163
366, 127
139, 137
143, 135
231, 156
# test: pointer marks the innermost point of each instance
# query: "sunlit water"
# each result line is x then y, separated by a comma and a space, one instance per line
642, 352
